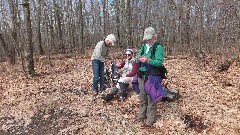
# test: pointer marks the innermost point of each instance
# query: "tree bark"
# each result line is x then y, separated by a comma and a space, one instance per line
13, 10
128, 23
28, 62
117, 11
201, 25
81, 20
187, 23
105, 30
5, 50
46, 20
59, 26
39, 36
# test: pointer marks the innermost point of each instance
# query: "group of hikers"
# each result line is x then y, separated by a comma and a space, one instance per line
143, 72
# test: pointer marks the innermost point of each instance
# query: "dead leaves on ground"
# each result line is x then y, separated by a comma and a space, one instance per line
59, 100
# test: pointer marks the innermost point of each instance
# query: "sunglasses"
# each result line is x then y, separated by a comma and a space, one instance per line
128, 54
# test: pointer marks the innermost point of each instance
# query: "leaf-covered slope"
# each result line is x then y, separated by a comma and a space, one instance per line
59, 100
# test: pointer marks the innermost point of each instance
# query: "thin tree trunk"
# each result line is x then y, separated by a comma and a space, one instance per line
59, 26
93, 28
4, 47
127, 22
105, 30
47, 38
167, 33
180, 20
145, 14
39, 36
117, 11
201, 26
82, 26
28, 47
188, 37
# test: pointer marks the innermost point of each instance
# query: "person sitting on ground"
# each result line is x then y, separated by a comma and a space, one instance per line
129, 67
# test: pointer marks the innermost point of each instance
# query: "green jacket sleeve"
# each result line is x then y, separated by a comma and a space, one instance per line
139, 52
158, 60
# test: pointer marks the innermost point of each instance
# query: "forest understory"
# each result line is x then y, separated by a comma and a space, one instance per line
58, 100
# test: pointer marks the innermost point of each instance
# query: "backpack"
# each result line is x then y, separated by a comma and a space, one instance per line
171, 94
163, 70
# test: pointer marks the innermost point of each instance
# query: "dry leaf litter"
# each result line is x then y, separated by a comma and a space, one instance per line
59, 100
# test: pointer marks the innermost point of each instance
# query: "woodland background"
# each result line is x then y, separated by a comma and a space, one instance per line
45, 49
31, 27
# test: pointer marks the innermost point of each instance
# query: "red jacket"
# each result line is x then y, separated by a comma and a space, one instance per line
134, 69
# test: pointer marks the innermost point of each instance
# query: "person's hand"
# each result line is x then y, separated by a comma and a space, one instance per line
143, 59
114, 60
123, 75
118, 65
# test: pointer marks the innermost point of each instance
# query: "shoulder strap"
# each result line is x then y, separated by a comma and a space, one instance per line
154, 50
142, 49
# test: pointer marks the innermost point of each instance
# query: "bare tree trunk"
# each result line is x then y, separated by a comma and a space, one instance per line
14, 10
145, 23
93, 28
68, 19
105, 30
28, 47
100, 20
187, 22
82, 26
4, 47
127, 23
59, 26
47, 38
51, 28
201, 26
180, 20
39, 36
117, 11
167, 31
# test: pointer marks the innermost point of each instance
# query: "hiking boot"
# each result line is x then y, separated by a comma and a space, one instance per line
95, 93
108, 97
122, 98
149, 123
139, 119
101, 93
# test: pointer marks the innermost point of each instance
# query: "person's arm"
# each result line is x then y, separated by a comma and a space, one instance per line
158, 60
140, 52
121, 65
109, 55
134, 70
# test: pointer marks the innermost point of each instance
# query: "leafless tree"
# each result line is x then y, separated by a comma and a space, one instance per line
28, 62
183, 26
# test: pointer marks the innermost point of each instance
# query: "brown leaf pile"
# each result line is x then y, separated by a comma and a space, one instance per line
59, 100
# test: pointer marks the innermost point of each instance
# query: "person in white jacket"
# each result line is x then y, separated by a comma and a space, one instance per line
129, 70
101, 52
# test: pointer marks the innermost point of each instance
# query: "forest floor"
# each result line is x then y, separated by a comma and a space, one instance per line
59, 100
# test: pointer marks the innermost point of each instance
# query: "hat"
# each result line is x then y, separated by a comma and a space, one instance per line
129, 51
111, 38
148, 33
